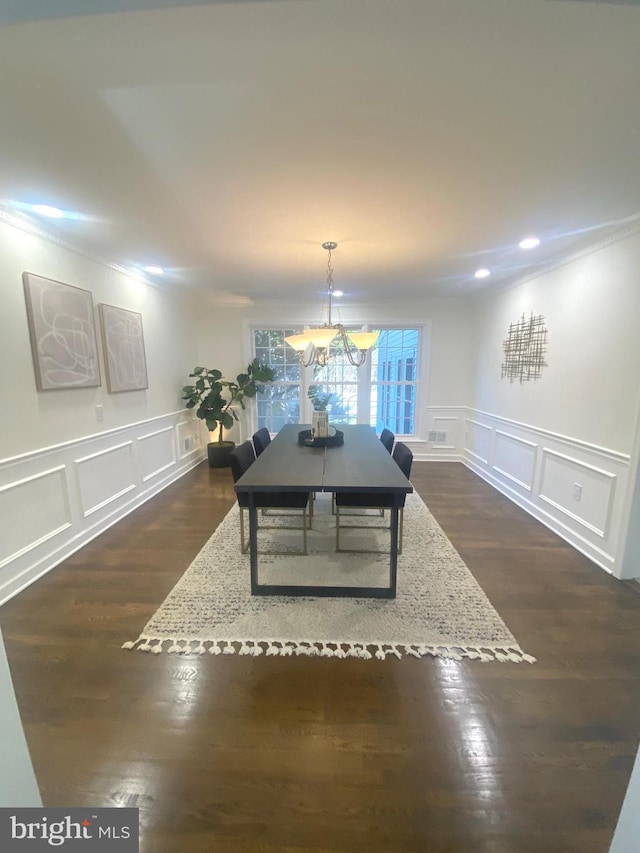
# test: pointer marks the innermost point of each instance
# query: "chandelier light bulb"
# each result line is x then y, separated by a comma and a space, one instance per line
529, 243
482, 273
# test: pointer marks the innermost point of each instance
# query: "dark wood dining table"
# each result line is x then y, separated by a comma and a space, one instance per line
361, 464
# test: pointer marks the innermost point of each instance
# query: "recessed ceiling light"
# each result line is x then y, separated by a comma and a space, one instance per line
48, 210
529, 243
338, 293
482, 273
154, 270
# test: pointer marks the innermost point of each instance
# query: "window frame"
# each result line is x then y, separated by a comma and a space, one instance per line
365, 385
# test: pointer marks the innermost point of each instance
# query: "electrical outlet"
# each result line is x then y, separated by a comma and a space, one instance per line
187, 445
99, 412
577, 492
433, 435
442, 437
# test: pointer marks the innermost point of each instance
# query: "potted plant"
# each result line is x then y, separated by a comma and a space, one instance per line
214, 396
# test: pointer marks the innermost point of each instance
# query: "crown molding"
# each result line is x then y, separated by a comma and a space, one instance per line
581, 249
27, 224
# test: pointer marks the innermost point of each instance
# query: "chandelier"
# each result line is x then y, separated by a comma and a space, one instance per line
313, 346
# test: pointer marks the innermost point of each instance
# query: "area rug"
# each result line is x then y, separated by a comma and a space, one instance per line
440, 610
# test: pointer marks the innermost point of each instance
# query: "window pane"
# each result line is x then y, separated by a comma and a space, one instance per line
279, 403
340, 379
394, 381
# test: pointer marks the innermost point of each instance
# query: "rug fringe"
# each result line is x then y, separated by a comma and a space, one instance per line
317, 648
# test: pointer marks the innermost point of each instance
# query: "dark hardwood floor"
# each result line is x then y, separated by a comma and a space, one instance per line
302, 754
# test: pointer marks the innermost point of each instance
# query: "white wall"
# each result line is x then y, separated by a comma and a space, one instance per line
590, 389
562, 446
18, 787
65, 475
44, 418
224, 335
625, 839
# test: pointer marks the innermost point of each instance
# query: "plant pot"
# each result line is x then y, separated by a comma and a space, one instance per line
219, 453
320, 424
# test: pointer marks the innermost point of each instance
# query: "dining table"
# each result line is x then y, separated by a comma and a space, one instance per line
360, 464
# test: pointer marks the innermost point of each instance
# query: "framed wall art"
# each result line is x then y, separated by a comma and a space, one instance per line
63, 335
524, 349
123, 343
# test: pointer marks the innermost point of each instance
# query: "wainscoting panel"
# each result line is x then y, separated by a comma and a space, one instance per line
156, 452
583, 492
478, 440
575, 488
23, 526
105, 476
515, 458
56, 499
441, 434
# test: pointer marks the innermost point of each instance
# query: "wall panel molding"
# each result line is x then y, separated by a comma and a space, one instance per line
23, 529
88, 440
595, 514
441, 435
575, 488
156, 452
478, 440
105, 476
57, 499
519, 426
62, 486
515, 458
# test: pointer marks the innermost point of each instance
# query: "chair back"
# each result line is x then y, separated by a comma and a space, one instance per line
261, 439
387, 438
242, 457
403, 458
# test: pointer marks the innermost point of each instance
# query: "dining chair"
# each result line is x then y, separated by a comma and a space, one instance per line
403, 457
242, 457
261, 439
387, 438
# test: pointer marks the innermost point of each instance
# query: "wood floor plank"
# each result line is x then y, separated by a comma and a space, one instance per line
240, 754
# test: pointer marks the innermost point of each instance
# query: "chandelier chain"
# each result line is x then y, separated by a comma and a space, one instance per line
329, 273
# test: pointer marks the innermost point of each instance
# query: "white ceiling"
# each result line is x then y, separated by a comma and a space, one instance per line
227, 141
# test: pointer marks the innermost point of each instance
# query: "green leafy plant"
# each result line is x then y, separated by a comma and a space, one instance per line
319, 400
214, 396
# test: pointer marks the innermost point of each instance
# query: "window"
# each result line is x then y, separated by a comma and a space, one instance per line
279, 403
381, 393
394, 376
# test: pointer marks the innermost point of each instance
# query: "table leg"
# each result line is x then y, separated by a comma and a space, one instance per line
253, 542
393, 550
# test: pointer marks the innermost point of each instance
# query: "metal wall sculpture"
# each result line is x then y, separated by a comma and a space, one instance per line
524, 349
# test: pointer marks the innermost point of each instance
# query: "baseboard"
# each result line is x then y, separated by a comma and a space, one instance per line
600, 558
